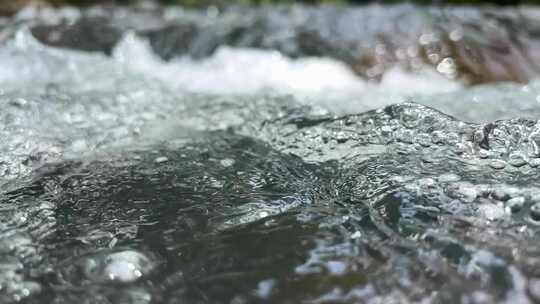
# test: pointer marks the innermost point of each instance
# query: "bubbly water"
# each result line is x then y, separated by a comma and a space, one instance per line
253, 177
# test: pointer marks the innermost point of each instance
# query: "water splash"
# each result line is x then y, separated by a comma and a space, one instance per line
123, 180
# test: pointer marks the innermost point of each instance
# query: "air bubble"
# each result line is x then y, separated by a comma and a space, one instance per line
161, 159
121, 266
497, 164
517, 160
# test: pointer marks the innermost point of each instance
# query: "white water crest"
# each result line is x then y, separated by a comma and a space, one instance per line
316, 80
327, 82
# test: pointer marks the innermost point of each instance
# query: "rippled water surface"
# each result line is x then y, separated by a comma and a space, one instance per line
158, 155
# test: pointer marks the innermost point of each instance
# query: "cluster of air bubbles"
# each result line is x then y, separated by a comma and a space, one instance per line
498, 201
113, 266
17, 250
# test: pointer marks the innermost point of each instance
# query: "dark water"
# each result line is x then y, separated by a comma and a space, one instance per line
122, 180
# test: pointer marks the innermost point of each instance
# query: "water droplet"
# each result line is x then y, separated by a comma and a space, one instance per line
517, 160
491, 211
121, 266
463, 191
535, 162
456, 34
448, 177
264, 288
227, 162
161, 159
356, 235
497, 164
336, 267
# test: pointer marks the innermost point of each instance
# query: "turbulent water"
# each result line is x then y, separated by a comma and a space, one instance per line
249, 175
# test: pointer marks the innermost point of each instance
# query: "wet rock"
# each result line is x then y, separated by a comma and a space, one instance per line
95, 34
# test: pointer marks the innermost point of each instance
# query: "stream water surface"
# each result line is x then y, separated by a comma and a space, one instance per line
270, 155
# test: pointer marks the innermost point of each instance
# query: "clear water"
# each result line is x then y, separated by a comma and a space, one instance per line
253, 177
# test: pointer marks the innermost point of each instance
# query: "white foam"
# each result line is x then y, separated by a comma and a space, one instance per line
240, 71
250, 71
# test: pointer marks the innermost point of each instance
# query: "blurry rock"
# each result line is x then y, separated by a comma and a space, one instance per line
12, 6
87, 33
476, 45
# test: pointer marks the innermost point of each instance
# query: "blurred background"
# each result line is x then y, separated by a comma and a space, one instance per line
11, 6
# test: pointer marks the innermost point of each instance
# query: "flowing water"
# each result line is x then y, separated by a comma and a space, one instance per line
254, 155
